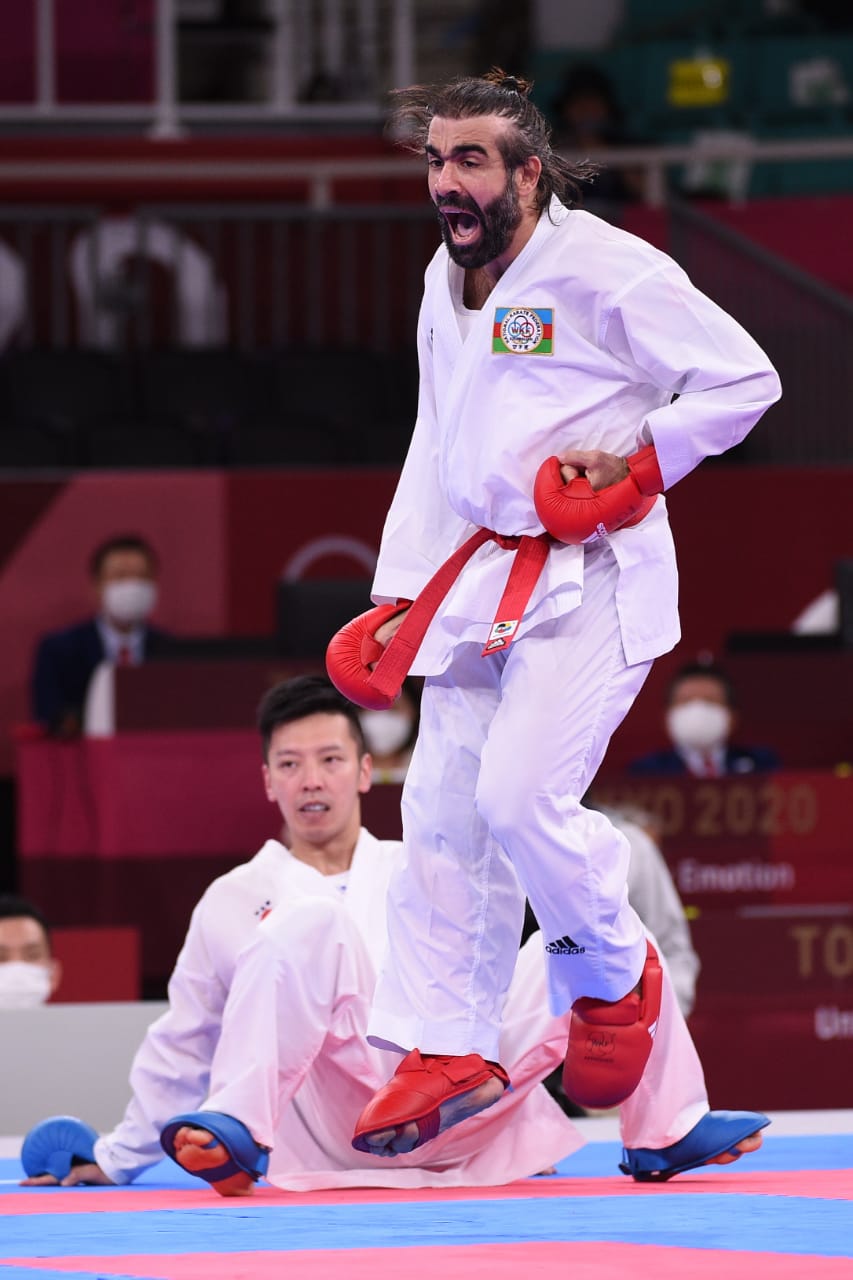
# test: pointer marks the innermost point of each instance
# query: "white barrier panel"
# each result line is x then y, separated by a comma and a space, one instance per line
69, 1059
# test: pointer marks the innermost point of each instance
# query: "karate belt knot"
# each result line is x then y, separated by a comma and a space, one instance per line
530, 554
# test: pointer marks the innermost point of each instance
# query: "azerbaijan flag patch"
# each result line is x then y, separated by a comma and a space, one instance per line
523, 331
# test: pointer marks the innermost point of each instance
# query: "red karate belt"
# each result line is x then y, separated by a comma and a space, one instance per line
530, 556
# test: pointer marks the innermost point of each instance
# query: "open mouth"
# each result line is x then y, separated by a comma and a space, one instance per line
463, 224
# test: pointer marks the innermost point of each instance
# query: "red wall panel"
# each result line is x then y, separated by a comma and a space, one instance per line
812, 232
754, 546
335, 516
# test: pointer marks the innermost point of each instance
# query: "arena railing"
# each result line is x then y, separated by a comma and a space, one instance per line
325, 182
805, 326
257, 277
363, 46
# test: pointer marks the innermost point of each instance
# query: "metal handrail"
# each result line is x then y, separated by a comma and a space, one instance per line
805, 283
322, 175
166, 113
804, 325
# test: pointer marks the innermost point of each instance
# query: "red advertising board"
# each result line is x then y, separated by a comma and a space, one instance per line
781, 838
764, 866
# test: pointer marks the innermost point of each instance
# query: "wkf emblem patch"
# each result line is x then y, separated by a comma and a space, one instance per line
500, 636
523, 331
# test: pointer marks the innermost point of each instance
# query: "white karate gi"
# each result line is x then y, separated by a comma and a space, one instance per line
509, 743
267, 1022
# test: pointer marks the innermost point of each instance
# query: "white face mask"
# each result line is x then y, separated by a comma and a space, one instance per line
698, 725
129, 600
385, 731
23, 985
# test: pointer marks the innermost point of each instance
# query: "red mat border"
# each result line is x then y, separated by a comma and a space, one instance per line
815, 1184
585, 1260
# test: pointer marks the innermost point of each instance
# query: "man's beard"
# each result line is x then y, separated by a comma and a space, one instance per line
498, 224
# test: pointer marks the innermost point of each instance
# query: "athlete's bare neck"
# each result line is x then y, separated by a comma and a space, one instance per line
477, 287
330, 858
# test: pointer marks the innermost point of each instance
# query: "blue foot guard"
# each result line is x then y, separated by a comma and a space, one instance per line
55, 1144
715, 1133
244, 1154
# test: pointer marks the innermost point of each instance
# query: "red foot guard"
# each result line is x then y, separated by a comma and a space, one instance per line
610, 1043
420, 1086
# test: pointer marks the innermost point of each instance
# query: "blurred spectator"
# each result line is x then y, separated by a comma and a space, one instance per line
654, 897
503, 34
833, 15
587, 118
123, 572
390, 735
700, 718
29, 974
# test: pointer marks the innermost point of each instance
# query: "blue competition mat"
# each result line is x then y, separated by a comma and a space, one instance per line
784, 1213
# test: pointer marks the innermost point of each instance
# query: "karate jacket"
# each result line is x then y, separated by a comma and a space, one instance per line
591, 339
171, 1070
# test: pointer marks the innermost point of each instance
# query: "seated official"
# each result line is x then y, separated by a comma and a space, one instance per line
391, 735
29, 972
123, 572
701, 717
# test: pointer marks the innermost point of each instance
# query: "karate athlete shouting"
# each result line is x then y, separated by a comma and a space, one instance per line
569, 373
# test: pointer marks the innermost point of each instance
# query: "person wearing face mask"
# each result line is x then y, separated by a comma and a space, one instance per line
700, 719
123, 572
29, 973
588, 117
390, 735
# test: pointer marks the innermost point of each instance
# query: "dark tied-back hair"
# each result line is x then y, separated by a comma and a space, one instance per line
304, 696
494, 94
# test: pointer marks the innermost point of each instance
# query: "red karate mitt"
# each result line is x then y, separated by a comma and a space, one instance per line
575, 512
354, 650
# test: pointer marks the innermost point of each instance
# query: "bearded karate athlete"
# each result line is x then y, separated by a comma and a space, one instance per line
569, 374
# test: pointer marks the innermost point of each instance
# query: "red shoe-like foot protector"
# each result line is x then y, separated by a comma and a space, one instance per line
610, 1043
418, 1089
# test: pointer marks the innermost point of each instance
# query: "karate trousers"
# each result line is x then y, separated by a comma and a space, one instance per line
293, 1064
508, 746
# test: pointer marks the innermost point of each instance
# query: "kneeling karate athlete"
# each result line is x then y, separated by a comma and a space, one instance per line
269, 1000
